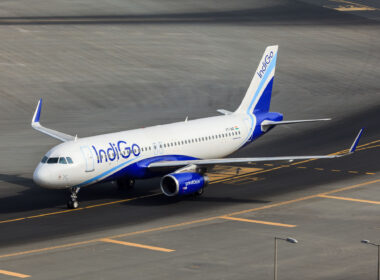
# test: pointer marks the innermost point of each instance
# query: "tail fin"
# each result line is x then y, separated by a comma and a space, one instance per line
258, 95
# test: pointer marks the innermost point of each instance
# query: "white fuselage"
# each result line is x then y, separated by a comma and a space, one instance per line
101, 157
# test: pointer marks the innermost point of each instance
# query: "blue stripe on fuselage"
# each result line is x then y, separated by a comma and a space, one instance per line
104, 174
140, 170
136, 170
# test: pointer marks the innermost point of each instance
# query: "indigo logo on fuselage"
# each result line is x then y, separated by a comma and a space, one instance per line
266, 62
116, 151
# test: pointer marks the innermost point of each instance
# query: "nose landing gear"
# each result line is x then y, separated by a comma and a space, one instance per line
73, 202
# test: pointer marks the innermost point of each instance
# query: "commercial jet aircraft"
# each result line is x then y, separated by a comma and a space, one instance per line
182, 153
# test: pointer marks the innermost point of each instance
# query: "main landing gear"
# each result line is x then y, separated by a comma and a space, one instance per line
199, 192
73, 202
125, 184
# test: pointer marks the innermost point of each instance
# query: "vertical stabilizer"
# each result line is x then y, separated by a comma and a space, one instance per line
258, 95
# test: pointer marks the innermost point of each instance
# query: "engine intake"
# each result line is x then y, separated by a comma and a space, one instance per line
177, 184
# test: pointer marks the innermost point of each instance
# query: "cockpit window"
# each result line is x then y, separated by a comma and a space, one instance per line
69, 160
52, 160
44, 159
62, 160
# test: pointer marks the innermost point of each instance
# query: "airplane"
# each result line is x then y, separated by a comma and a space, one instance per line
181, 153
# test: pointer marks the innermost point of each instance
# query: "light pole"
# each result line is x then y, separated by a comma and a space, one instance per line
290, 240
378, 255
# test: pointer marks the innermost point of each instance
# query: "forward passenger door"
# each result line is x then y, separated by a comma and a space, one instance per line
89, 158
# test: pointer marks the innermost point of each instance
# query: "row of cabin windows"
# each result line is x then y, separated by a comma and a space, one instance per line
179, 143
54, 160
194, 140
68, 160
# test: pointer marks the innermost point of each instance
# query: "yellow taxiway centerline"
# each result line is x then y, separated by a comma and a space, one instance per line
189, 222
350, 6
257, 222
350, 199
153, 248
14, 274
78, 209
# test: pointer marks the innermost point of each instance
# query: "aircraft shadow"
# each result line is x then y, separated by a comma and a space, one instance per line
163, 200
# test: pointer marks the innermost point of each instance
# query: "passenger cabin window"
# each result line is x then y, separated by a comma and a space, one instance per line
52, 160
62, 160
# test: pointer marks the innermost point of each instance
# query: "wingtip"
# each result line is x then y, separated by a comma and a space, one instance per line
37, 113
356, 142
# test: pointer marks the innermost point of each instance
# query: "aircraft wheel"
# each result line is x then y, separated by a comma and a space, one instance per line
72, 204
199, 192
130, 183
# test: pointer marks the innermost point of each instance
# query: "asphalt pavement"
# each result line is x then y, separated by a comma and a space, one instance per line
117, 65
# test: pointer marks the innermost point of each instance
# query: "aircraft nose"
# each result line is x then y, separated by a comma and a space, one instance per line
41, 177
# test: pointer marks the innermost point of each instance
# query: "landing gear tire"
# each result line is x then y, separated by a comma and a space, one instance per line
199, 192
125, 184
73, 202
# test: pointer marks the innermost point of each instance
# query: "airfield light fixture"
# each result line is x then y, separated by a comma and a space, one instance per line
288, 239
365, 241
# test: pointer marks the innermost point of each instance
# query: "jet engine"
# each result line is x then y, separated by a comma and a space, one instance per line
177, 184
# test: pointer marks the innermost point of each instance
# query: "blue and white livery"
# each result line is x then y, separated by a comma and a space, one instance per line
182, 153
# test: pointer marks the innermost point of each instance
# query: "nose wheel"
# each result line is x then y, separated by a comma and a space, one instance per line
73, 201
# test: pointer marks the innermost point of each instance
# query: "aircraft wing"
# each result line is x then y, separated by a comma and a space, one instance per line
211, 162
53, 133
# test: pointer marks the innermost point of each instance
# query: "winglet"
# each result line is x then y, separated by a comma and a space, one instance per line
37, 113
53, 133
353, 146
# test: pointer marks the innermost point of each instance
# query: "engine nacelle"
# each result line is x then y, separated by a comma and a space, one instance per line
183, 183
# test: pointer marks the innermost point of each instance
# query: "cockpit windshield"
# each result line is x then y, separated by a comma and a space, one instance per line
52, 160
55, 160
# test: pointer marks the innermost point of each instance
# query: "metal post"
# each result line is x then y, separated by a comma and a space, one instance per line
378, 262
290, 240
365, 241
275, 258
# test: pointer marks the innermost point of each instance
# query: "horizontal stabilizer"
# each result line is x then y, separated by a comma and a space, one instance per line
224, 112
267, 124
53, 133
